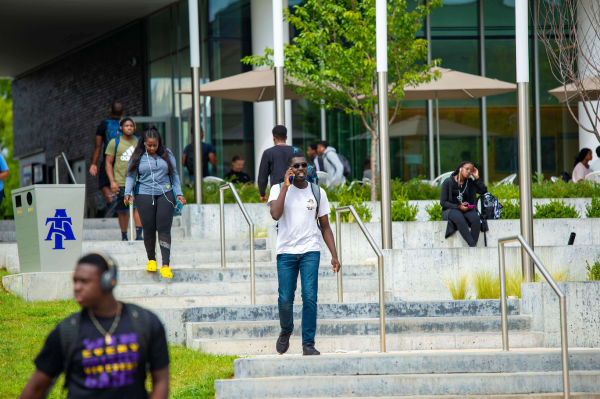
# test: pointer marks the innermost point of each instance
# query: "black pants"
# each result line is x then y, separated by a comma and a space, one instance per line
156, 217
463, 220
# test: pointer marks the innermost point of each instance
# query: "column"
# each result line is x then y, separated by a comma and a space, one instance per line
264, 112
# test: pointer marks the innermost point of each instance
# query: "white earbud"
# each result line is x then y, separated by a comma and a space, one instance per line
154, 182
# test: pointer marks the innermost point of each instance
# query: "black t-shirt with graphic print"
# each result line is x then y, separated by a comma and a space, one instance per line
107, 371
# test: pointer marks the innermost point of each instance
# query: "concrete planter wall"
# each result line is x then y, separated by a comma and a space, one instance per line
583, 312
419, 274
203, 220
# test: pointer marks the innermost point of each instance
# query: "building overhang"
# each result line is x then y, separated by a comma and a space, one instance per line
33, 32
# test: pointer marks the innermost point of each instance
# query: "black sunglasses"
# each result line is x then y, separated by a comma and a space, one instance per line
297, 165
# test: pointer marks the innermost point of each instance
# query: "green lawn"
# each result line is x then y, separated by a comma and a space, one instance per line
24, 327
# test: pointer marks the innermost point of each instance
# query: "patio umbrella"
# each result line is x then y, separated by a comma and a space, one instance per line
454, 85
254, 86
417, 126
570, 93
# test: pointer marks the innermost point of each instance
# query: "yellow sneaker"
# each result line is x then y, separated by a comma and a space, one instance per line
166, 272
151, 267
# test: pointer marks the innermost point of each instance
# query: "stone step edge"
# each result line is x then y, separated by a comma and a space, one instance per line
548, 395
328, 337
361, 319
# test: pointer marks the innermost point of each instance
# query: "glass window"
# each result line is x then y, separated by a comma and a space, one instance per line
455, 18
159, 35
161, 87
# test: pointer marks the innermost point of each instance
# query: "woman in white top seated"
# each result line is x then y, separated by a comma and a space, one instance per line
582, 167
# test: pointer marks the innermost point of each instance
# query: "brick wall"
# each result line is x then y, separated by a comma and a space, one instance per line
59, 106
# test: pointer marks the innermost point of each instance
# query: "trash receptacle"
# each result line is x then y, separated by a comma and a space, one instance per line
49, 226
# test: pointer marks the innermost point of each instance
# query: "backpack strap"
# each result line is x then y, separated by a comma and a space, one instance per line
69, 330
316, 190
140, 320
117, 140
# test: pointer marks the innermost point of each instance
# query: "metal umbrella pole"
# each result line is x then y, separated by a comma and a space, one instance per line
278, 62
384, 137
522, 55
195, 64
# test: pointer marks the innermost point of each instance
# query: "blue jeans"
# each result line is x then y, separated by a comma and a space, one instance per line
288, 267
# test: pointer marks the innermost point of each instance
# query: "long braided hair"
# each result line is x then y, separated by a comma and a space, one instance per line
457, 171
151, 132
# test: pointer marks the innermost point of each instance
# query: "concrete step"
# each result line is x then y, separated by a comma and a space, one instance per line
139, 260
469, 308
179, 244
218, 301
421, 362
357, 327
100, 235
556, 395
405, 384
370, 343
167, 288
113, 223
188, 275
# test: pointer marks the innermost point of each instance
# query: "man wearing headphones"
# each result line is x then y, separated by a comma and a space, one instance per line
105, 349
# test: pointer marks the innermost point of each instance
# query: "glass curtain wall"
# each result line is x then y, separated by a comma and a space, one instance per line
228, 40
225, 31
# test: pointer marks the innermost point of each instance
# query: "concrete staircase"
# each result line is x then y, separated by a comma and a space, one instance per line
424, 374
354, 327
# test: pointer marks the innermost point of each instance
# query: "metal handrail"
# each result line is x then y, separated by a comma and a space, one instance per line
340, 290
561, 299
250, 224
131, 219
56, 171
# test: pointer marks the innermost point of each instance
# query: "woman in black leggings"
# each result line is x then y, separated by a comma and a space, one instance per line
459, 202
157, 186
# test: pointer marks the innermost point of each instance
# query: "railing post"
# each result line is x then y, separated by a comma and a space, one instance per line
564, 343
338, 235
252, 273
222, 222
381, 304
131, 219
251, 229
503, 306
527, 250
56, 170
377, 250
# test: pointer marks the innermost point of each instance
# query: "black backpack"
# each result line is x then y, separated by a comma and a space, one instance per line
69, 331
490, 208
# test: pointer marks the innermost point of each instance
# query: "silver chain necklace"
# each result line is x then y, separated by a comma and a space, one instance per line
460, 194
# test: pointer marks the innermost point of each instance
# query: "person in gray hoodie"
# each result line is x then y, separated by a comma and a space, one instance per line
153, 165
333, 165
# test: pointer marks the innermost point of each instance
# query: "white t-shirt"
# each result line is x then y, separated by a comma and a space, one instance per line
298, 231
580, 172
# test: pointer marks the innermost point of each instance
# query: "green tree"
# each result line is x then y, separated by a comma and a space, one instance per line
6, 146
333, 57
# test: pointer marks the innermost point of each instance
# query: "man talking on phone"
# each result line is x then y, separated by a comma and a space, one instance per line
302, 209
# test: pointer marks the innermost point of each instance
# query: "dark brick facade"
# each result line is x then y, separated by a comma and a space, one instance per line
59, 106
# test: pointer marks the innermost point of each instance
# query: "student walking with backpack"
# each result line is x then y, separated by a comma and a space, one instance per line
274, 161
208, 156
458, 199
106, 131
157, 192
117, 155
107, 349
336, 165
301, 209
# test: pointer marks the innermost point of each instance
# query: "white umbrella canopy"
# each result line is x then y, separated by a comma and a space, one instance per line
454, 85
570, 93
417, 126
254, 86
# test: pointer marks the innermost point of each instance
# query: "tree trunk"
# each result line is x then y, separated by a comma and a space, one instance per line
374, 139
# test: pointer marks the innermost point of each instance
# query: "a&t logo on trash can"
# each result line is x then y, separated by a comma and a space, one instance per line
60, 227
